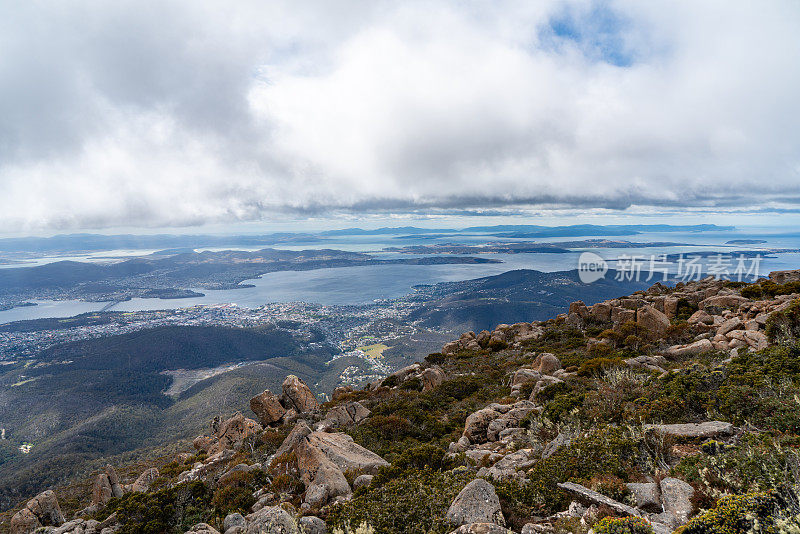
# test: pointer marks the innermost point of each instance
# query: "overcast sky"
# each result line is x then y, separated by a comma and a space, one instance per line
171, 113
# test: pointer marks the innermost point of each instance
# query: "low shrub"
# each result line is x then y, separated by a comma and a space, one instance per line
765, 512
416, 501
623, 525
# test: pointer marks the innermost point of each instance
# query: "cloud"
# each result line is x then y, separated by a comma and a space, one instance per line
184, 113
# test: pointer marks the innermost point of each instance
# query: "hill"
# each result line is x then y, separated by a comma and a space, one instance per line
669, 408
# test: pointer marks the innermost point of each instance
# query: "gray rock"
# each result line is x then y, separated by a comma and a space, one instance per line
271, 520
362, 481
345, 415
593, 497
312, 525
202, 528
299, 431
477, 424
233, 520
676, 497
142, 483
647, 496
476, 503
705, 430
481, 528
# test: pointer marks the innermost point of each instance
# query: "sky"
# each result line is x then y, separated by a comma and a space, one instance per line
196, 114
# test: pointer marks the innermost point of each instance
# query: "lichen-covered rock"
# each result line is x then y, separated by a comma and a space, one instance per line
705, 430
312, 525
481, 528
271, 520
202, 528
676, 496
476, 503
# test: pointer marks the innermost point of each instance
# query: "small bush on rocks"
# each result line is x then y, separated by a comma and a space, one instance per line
623, 525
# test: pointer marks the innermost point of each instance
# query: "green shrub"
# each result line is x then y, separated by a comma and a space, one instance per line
414, 502
597, 366
172, 510
783, 327
765, 512
623, 525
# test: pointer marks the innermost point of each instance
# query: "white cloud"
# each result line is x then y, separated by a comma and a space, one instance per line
122, 114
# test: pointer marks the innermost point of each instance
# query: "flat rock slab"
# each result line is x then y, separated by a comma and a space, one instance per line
706, 430
599, 499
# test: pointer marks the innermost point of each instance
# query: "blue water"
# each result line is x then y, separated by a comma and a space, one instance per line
363, 285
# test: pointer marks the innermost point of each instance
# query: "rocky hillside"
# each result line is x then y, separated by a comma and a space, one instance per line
672, 408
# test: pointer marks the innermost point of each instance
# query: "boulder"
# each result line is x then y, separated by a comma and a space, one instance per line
345, 415
233, 520
701, 317
267, 407
271, 520
297, 394
299, 431
647, 496
101, 490
142, 484
476, 503
734, 323
312, 525
676, 497
233, 432
622, 315
652, 320
41, 511
546, 363
362, 481
481, 528
705, 430
113, 479
521, 377
346, 454
24, 522
431, 378
601, 312
722, 302
692, 349
322, 478
541, 384
477, 423
783, 277
202, 528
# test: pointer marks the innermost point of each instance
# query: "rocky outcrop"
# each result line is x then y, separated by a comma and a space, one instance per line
297, 395
41, 511
228, 434
267, 407
476, 503
344, 415
297, 399
322, 459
